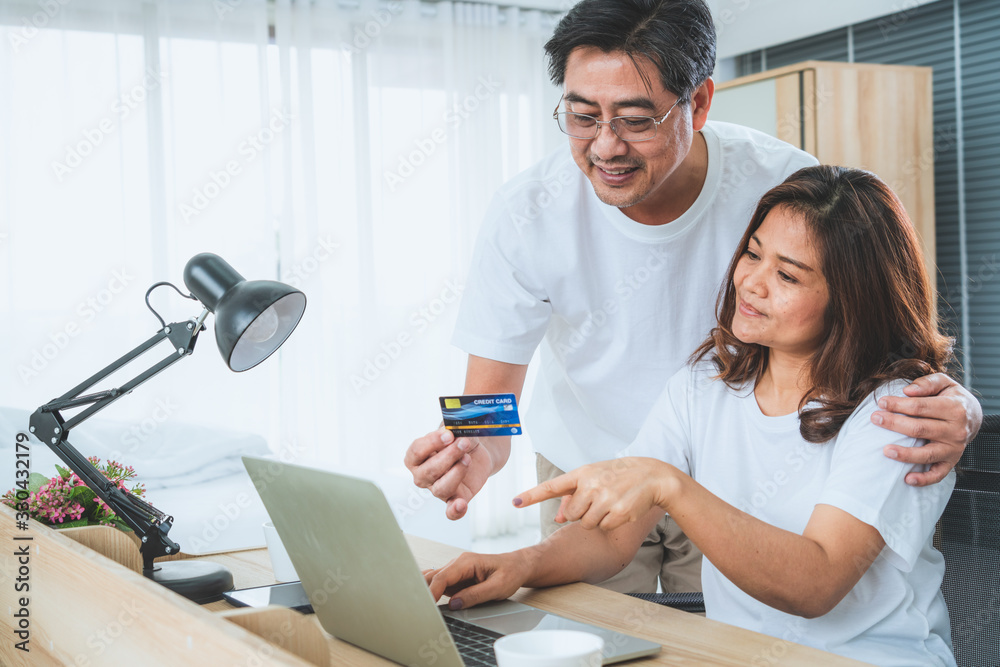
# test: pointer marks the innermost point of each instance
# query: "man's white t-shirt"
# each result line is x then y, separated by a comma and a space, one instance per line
896, 614
621, 305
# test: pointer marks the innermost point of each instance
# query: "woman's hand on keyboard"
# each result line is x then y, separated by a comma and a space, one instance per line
472, 579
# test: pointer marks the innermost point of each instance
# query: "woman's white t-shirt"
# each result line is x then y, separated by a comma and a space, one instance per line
896, 614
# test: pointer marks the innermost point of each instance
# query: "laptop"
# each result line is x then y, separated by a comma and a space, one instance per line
366, 588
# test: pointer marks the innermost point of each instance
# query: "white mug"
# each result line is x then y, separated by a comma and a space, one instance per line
549, 648
280, 562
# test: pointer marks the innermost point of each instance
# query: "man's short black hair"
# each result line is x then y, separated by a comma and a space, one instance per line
678, 36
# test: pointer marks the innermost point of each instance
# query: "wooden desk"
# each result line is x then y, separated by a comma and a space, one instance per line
86, 609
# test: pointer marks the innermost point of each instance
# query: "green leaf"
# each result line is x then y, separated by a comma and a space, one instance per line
83, 495
72, 524
64, 472
120, 525
36, 481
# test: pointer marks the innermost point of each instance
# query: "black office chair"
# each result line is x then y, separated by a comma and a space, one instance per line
970, 541
692, 602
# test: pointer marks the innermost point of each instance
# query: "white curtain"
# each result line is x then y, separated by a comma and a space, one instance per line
351, 153
114, 112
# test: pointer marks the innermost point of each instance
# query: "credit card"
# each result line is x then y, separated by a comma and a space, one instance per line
479, 415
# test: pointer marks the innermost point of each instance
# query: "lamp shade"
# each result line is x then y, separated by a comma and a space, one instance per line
252, 317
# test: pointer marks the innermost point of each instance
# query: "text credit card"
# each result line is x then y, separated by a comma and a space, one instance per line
481, 415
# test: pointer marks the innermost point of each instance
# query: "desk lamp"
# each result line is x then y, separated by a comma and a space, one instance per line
252, 319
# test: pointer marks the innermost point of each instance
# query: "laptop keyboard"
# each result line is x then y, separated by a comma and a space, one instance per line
474, 644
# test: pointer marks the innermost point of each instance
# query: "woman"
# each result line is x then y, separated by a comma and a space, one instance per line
763, 449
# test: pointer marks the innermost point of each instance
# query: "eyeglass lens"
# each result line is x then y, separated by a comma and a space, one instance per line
629, 128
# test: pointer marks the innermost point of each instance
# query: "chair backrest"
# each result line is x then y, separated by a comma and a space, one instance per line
970, 542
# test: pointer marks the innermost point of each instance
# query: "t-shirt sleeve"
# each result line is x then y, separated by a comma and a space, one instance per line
871, 487
666, 433
504, 311
798, 159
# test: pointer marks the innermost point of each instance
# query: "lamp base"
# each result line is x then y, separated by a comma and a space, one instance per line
198, 581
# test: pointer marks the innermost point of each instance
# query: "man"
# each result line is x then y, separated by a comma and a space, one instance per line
610, 255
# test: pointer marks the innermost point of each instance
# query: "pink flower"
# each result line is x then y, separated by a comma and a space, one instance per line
52, 503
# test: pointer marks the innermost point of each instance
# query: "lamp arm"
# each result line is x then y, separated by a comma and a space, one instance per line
182, 335
49, 426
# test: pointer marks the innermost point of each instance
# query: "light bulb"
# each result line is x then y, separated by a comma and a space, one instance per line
262, 328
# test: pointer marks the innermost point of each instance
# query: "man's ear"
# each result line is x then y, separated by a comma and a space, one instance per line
701, 102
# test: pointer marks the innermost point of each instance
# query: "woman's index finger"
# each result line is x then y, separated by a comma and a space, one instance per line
557, 487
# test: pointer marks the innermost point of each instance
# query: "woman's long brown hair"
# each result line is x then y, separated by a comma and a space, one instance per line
880, 324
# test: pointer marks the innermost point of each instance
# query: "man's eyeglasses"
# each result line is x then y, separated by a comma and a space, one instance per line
628, 128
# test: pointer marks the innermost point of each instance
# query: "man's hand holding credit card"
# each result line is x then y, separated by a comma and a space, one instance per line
481, 415
473, 442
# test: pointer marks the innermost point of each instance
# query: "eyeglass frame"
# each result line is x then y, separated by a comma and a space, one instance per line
610, 122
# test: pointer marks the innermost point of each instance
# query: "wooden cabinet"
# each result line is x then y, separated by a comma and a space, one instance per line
876, 117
